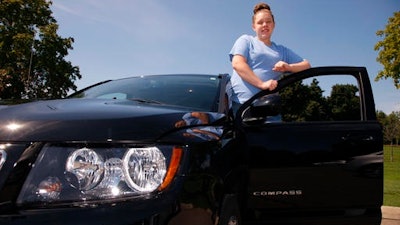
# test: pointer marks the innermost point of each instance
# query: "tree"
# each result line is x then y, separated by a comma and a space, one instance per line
317, 108
294, 99
301, 102
389, 50
381, 116
344, 102
32, 63
391, 128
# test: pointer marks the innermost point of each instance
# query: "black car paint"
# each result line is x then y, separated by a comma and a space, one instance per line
77, 119
92, 122
280, 173
299, 170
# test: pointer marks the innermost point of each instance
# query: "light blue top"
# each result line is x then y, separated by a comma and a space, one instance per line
261, 58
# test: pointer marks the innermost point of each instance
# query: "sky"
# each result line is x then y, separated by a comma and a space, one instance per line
122, 38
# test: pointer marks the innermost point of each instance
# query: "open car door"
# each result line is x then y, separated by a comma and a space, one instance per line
314, 150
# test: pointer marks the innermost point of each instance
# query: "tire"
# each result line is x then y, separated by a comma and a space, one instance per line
230, 211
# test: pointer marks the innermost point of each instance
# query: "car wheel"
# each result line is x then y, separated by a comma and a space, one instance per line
230, 211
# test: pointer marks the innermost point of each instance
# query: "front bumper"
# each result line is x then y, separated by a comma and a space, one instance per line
123, 213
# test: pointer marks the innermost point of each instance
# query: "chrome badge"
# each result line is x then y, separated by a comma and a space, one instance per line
278, 193
3, 156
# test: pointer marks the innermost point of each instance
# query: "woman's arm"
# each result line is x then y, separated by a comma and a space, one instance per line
239, 64
282, 66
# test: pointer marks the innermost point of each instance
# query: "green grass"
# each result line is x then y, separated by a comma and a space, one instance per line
391, 176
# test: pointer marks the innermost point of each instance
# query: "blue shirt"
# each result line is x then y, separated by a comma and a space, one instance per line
261, 59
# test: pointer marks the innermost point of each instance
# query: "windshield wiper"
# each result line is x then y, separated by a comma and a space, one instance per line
142, 100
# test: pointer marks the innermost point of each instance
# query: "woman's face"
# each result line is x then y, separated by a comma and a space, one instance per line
263, 25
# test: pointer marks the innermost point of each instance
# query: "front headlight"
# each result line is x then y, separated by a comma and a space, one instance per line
65, 174
86, 167
144, 169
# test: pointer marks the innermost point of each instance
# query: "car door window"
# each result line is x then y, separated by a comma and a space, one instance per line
321, 98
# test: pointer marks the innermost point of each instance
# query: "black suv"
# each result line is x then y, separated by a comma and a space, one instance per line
136, 150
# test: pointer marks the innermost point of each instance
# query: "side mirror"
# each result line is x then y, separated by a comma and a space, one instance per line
267, 105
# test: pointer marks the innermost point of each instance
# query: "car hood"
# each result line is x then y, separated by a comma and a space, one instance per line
87, 120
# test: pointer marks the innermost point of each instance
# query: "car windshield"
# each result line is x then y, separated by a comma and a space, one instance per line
192, 91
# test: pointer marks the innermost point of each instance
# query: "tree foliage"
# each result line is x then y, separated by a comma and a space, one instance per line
389, 50
391, 126
301, 102
307, 102
344, 102
32, 63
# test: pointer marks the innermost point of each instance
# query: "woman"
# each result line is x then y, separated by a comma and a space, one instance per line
257, 61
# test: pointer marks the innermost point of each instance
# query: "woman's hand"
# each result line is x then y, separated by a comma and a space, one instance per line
269, 85
281, 66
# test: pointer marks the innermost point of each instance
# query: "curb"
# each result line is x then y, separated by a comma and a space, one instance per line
390, 212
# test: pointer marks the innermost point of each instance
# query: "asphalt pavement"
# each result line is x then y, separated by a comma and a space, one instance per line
390, 215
